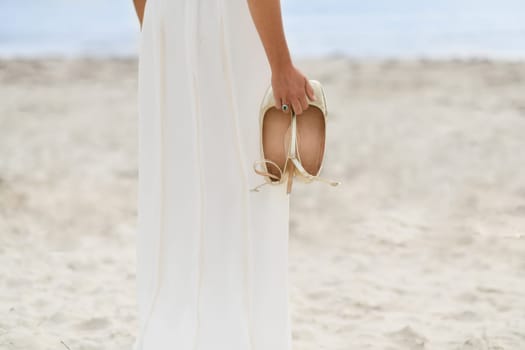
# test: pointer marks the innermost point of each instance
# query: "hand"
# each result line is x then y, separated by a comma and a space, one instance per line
291, 87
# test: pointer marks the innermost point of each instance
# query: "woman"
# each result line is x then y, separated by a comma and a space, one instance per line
211, 254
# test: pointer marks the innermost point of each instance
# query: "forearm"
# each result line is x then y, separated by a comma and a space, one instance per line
266, 15
139, 9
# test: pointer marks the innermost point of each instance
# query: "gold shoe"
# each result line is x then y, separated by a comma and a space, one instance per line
275, 141
309, 133
293, 144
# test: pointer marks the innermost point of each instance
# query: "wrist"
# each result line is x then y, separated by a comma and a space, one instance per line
282, 68
282, 65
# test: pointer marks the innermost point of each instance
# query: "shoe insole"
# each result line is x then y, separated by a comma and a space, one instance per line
275, 138
311, 139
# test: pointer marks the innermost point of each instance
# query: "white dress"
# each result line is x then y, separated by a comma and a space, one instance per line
212, 256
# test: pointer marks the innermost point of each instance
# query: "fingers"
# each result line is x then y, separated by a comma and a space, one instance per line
299, 104
297, 107
310, 90
304, 102
278, 101
297, 96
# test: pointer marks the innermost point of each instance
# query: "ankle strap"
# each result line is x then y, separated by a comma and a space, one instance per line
266, 172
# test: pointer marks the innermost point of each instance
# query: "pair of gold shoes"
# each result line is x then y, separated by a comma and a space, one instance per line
292, 145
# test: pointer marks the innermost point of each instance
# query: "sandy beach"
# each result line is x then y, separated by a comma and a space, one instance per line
419, 248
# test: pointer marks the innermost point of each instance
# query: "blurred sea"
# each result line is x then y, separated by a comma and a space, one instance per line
379, 28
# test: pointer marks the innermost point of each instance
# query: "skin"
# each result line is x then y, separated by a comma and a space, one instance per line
290, 86
139, 9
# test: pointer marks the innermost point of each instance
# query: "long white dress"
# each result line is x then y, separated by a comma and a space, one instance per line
212, 256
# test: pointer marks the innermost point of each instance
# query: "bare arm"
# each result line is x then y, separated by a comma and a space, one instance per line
289, 84
139, 8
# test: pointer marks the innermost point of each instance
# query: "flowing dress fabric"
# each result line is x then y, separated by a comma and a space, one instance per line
212, 256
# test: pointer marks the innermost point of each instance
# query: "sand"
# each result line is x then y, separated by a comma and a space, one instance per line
419, 247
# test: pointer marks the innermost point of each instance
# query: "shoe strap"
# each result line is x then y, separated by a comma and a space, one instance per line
298, 167
295, 157
266, 173
292, 156
311, 177
328, 181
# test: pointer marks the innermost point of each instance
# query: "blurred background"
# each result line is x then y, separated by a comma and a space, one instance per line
378, 28
423, 245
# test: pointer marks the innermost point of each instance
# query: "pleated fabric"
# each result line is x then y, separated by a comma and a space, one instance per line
212, 256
